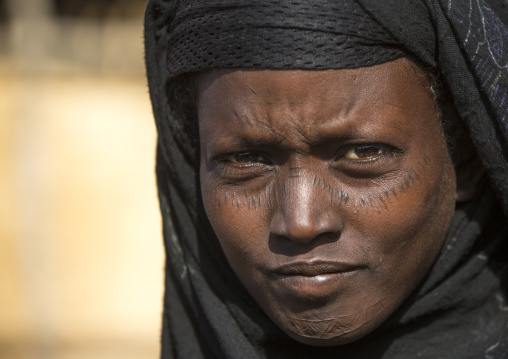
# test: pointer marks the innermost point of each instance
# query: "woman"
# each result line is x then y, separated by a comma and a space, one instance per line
318, 194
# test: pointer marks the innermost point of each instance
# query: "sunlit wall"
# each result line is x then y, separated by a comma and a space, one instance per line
80, 247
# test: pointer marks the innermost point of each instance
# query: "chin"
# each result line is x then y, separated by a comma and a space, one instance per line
318, 340
317, 331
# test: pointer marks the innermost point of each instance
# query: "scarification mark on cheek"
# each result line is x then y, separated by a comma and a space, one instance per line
335, 195
424, 163
382, 202
379, 194
411, 178
248, 198
268, 195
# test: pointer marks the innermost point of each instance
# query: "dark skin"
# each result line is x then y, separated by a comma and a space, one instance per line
331, 192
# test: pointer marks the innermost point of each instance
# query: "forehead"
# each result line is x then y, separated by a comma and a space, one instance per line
313, 101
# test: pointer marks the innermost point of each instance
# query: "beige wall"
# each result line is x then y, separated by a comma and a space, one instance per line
80, 247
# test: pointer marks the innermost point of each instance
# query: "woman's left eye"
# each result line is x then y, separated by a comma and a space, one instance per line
367, 160
364, 152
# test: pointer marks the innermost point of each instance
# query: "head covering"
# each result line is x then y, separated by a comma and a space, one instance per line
459, 310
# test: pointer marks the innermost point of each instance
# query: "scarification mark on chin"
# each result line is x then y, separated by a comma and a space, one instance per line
327, 328
322, 329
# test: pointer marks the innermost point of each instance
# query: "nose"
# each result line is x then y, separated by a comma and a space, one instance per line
305, 210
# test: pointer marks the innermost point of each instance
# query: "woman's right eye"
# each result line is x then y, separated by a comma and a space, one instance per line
242, 166
245, 159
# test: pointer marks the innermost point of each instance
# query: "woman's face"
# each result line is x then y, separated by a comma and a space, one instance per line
331, 192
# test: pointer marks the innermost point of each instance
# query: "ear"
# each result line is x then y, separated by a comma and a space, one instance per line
469, 171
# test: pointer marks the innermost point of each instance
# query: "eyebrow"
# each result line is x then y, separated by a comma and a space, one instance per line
256, 142
280, 143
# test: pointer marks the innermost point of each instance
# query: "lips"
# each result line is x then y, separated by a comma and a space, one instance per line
313, 280
315, 268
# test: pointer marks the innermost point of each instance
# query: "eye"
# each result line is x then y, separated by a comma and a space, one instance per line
246, 158
242, 166
368, 160
364, 152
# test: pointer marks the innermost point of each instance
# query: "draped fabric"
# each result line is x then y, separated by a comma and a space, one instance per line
460, 308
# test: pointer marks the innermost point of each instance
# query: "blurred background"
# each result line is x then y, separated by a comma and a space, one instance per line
81, 259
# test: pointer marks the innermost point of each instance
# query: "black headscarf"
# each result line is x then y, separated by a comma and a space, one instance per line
460, 309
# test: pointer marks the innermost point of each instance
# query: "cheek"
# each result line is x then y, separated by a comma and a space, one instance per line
239, 218
410, 231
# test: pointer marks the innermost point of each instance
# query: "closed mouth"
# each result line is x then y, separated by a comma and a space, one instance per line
313, 280
314, 268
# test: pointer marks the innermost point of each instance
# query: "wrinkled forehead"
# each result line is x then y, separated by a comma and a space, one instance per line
313, 101
295, 86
